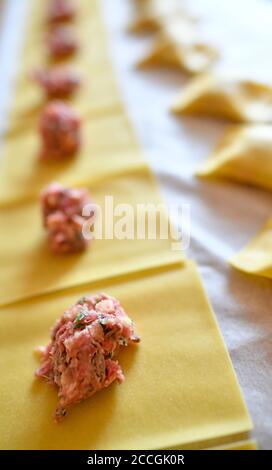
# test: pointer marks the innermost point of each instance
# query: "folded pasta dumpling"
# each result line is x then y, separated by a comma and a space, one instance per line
179, 45
226, 97
256, 257
149, 15
244, 154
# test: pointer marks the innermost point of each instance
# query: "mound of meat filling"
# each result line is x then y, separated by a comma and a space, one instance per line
62, 42
62, 218
81, 356
59, 82
61, 10
60, 130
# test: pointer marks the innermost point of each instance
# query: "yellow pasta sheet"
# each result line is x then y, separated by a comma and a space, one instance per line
237, 445
28, 267
109, 145
109, 148
244, 154
180, 387
246, 445
98, 94
256, 257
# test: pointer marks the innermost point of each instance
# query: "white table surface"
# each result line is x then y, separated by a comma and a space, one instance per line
224, 216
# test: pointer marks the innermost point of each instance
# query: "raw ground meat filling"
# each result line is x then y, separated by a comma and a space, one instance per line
60, 130
81, 356
62, 42
62, 218
59, 82
61, 10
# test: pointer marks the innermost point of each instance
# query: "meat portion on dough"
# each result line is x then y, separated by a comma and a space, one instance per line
80, 359
58, 82
62, 218
60, 131
61, 10
62, 42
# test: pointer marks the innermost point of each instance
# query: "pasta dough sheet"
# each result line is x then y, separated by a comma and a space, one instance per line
180, 386
109, 148
244, 154
28, 268
98, 94
237, 445
256, 257
249, 445
109, 145
231, 98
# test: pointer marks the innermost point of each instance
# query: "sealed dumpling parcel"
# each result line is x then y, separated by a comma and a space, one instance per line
151, 15
178, 45
228, 98
256, 257
244, 154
